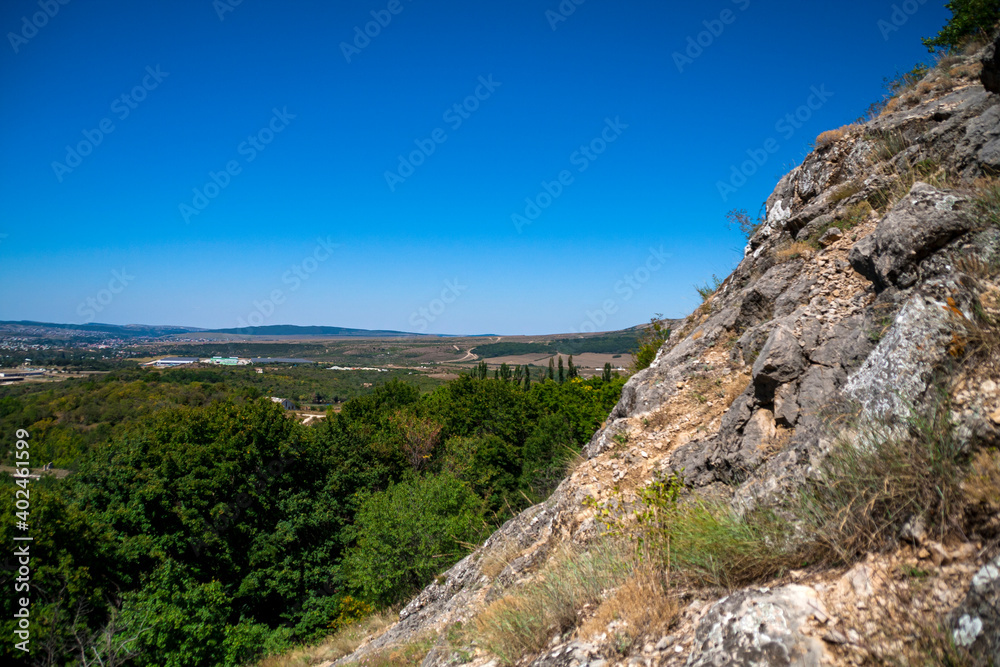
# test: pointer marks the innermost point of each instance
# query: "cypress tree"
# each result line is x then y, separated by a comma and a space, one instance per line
527, 377
572, 369
552, 368
562, 371
607, 372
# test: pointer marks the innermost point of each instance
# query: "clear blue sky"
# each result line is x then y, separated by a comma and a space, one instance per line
187, 93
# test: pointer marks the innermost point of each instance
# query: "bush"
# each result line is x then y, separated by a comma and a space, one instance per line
739, 218
650, 342
709, 288
704, 543
969, 19
409, 533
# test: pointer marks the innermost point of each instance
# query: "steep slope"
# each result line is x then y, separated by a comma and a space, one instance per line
863, 299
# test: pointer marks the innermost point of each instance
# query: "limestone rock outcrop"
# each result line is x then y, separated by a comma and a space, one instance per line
812, 326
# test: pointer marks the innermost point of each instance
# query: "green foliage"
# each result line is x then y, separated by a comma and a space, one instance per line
213, 532
409, 533
488, 464
650, 341
709, 288
613, 343
546, 452
707, 543
72, 575
969, 19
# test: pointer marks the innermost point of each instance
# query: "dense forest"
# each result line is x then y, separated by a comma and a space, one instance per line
623, 342
68, 418
203, 526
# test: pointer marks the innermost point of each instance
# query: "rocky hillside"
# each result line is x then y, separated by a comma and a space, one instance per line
862, 317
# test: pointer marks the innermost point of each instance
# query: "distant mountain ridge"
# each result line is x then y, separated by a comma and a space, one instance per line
158, 331
296, 330
125, 331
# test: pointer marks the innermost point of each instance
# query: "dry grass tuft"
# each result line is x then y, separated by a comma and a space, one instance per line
983, 481
644, 604
344, 642
890, 106
794, 250
401, 655
845, 191
522, 622
971, 71
833, 136
498, 558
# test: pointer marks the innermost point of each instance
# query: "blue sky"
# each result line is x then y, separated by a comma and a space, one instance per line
248, 139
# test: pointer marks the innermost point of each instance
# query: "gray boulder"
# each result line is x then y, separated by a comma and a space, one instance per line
925, 220
779, 362
975, 625
759, 627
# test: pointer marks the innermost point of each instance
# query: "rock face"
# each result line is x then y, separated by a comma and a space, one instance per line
850, 303
976, 623
759, 627
924, 221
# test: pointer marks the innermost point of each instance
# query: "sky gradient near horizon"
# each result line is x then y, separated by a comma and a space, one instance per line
223, 163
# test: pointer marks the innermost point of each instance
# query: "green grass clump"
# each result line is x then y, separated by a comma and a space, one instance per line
987, 202
875, 479
709, 288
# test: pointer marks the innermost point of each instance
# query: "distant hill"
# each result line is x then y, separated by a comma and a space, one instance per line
293, 330
28, 327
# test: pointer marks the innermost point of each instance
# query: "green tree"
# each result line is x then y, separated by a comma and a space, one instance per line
606, 376
552, 368
490, 465
546, 451
409, 533
572, 372
527, 377
650, 341
969, 19
562, 371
